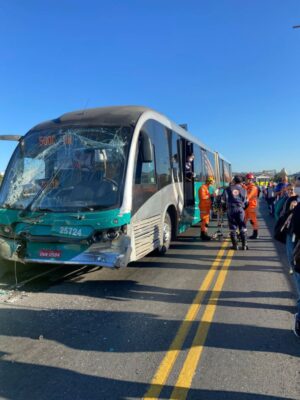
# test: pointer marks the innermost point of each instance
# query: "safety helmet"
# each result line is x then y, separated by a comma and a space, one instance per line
210, 179
250, 175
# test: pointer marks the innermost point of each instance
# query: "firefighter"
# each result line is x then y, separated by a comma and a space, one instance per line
250, 213
235, 198
205, 207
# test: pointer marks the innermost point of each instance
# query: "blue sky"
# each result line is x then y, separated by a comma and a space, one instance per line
228, 68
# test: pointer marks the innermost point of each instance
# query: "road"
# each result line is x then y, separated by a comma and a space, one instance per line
202, 322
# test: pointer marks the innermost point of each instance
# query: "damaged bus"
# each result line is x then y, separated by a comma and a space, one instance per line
102, 187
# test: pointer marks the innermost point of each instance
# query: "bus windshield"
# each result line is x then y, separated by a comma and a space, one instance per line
68, 169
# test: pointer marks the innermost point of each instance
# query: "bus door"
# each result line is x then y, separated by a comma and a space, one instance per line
188, 173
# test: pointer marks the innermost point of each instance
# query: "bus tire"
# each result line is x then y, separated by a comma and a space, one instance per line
167, 234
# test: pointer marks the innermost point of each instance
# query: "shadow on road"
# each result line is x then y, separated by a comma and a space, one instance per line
106, 331
39, 382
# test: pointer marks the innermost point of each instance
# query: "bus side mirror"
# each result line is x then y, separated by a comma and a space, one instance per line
15, 138
146, 148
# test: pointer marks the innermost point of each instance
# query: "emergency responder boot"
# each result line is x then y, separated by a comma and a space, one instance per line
204, 236
243, 238
254, 234
244, 244
234, 242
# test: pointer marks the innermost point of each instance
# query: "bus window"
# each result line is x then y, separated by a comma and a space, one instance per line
208, 164
198, 164
211, 164
145, 172
221, 171
56, 169
162, 155
176, 157
227, 172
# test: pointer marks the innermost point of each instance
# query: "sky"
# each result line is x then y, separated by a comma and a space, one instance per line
230, 69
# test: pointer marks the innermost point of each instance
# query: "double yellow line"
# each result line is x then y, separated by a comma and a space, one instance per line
187, 372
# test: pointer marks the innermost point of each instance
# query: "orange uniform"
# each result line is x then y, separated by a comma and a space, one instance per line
250, 212
205, 206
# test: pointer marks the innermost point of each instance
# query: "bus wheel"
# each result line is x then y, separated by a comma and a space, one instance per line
167, 234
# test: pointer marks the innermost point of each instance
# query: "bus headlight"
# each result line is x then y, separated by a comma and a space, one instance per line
105, 236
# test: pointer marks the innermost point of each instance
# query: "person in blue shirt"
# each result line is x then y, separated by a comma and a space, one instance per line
280, 188
235, 197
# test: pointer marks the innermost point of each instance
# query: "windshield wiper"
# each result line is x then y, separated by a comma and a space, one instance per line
35, 197
43, 209
86, 208
95, 207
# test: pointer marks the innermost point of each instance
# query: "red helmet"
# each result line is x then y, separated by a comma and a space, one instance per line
250, 175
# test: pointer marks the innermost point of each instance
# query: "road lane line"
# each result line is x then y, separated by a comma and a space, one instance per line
166, 366
187, 372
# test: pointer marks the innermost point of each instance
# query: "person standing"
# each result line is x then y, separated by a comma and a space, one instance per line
292, 237
235, 198
189, 167
250, 213
270, 197
205, 207
280, 188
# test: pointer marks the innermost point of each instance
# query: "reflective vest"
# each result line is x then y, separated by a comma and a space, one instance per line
252, 194
204, 198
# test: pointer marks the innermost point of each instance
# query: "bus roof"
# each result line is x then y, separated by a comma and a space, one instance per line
114, 116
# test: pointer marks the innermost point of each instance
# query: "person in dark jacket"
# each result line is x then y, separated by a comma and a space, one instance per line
235, 197
292, 218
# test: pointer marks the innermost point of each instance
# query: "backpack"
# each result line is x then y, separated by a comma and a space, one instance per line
296, 256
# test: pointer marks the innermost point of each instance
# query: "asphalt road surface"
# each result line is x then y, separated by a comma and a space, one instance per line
202, 322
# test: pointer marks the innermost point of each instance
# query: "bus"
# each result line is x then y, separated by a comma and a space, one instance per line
102, 187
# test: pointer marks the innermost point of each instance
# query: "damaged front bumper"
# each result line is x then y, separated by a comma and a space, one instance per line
115, 254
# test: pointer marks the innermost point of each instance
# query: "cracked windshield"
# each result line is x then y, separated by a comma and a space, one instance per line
69, 169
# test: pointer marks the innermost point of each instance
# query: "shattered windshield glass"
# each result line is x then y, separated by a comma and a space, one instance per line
69, 169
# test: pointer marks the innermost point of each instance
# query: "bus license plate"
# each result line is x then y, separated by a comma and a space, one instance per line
48, 253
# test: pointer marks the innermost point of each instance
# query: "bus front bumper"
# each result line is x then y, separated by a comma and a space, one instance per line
109, 260
117, 256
